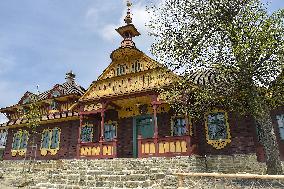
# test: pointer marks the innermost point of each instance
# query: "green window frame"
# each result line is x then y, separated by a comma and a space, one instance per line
20, 140
50, 138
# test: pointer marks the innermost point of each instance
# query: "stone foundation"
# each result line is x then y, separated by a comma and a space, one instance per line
121, 173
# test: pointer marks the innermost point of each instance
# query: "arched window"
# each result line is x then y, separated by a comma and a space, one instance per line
50, 140
217, 129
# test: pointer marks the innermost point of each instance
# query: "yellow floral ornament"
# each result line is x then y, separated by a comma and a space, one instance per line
217, 129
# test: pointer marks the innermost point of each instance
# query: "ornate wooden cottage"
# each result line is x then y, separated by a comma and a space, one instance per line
121, 115
55, 137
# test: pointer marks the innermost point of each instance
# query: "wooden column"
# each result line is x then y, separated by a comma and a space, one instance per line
79, 136
102, 131
155, 106
156, 134
102, 124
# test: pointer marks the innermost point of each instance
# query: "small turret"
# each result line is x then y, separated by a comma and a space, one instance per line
129, 30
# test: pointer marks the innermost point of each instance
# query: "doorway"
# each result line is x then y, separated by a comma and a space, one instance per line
144, 126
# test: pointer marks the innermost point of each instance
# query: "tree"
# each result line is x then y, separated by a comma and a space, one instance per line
33, 116
235, 40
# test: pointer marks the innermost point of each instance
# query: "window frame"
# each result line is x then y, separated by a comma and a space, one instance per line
218, 143
20, 149
187, 127
114, 124
53, 151
280, 128
92, 132
3, 137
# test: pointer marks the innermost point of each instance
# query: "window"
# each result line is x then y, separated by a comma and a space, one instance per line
3, 137
110, 131
178, 126
26, 100
120, 70
136, 67
50, 140
217, 129
20, 142
53, 105
87, 133
55, 94
280, 121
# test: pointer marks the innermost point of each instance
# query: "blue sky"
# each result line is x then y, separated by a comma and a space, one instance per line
40, 40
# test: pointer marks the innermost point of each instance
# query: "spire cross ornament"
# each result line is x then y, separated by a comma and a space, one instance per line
128, 19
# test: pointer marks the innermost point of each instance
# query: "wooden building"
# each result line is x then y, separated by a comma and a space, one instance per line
122, 115
55, 137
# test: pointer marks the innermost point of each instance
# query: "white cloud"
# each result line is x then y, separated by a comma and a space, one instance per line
107, 30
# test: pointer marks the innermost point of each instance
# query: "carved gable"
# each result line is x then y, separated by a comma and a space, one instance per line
128, 61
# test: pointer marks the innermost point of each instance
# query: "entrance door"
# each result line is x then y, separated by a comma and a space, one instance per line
144, 126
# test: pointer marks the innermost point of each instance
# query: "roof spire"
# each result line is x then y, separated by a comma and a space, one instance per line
70, 77
128, 19
128, 31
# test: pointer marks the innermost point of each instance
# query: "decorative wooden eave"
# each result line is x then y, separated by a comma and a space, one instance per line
15, 107
148, 80
50, 118
128, 28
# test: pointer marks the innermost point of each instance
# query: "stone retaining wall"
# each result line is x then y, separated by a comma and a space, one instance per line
122, 173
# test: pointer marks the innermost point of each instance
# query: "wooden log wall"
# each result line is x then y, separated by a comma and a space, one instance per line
68, 142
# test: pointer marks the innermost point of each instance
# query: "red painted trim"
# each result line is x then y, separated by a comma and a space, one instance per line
79, 136
90, 112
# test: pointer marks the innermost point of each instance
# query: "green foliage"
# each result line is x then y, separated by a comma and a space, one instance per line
237, 40
33, 115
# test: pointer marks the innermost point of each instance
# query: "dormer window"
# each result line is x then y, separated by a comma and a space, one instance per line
55, 94
27, 100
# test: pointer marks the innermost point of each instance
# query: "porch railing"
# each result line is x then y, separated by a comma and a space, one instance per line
99, 150
165, 147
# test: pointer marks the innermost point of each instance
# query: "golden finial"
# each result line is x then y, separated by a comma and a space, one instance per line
128, 19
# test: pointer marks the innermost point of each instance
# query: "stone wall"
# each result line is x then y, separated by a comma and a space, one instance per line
122, 172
